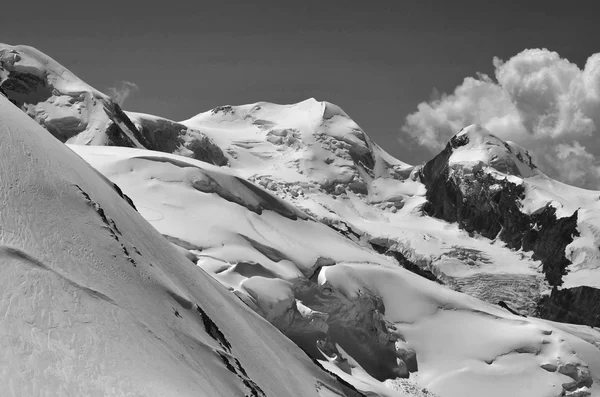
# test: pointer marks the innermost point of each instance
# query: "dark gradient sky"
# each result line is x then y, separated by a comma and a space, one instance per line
375, 59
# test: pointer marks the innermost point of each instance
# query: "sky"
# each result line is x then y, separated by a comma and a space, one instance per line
378, 60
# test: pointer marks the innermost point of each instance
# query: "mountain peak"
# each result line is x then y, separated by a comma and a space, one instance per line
476, 145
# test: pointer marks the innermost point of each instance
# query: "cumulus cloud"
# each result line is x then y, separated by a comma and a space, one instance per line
538, 99
121, 91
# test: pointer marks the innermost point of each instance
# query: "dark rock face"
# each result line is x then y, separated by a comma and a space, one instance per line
578, 305
167, 136
124, 196
491, 207
24, 88
121, 125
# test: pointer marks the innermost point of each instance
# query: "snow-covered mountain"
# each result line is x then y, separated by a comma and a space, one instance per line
312, 225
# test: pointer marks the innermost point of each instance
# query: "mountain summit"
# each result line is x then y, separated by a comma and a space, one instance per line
476, 145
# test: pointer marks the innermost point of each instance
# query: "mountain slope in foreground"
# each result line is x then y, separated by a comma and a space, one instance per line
95, 302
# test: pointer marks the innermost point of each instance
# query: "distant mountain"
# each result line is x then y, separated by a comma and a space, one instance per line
297, 212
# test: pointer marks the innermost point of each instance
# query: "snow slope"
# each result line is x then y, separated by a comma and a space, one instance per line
322, 289
95, 302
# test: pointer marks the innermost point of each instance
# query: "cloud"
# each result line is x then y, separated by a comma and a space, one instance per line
121, 91
537, 99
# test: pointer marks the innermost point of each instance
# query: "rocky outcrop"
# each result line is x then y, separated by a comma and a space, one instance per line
171, 137
484, 203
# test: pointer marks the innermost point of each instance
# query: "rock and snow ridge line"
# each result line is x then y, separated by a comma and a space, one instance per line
492, 188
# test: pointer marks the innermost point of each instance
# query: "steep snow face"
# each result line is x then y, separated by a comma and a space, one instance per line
95, 302
344, 303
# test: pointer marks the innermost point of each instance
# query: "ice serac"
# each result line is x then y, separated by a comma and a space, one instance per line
95, 302
492, 188
75, 112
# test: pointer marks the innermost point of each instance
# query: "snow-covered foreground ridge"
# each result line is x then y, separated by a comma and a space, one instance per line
95, 302
291, 221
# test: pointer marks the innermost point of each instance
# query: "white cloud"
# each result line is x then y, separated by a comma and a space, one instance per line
121, 91
539, 100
